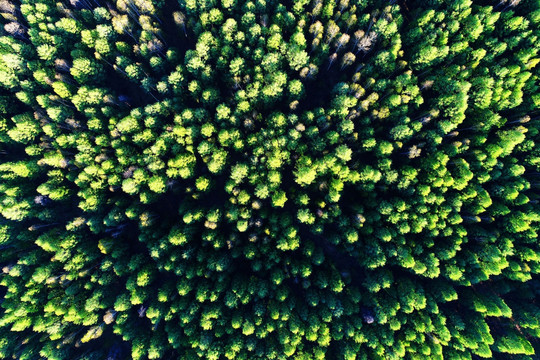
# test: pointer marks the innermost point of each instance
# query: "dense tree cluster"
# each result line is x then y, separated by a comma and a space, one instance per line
265, 179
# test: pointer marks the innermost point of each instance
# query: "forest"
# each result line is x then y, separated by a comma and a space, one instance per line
270, 179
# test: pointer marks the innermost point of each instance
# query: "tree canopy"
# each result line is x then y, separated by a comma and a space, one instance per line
265, 179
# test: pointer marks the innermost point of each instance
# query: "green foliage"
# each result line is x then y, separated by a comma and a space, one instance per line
224, 179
